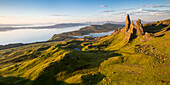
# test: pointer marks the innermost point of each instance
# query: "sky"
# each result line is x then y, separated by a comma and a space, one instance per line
73, 11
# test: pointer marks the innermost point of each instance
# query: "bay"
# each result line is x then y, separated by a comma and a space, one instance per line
96, 34
32, 35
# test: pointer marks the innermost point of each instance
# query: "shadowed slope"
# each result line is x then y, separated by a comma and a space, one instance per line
54, 64
131, 57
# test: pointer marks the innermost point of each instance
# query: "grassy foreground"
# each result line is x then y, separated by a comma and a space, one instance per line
113, 60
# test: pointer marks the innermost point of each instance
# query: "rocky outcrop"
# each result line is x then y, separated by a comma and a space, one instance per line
127, 22
130, 30
146, 37
139, 27
164, 22
127, 25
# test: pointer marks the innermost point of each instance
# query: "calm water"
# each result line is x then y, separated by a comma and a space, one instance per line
95, 34
31, 35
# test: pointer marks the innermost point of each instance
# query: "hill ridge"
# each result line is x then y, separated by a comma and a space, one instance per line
134, 55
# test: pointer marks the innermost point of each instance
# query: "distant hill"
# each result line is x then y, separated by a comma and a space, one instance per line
86, 30
64, 25
136, 54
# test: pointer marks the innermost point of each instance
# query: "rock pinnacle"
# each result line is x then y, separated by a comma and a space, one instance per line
127, 22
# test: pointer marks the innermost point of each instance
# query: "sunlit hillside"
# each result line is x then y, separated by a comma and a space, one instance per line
133, 55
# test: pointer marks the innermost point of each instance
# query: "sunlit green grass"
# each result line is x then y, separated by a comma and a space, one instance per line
112, 60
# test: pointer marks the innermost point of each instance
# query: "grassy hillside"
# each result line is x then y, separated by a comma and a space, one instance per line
118, 59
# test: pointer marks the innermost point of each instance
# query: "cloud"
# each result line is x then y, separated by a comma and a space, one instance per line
148, 12
120, 13
2, 16
7, 16
117, 10
57, 15
108, 11
155, 6
142, 6
145, 12
103, 6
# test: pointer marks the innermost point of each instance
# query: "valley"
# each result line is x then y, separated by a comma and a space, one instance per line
133, 54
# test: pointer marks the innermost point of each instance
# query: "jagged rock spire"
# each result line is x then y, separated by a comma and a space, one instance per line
127, 22
131, 27
139, 27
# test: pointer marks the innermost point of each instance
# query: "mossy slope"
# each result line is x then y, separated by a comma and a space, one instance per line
116, 59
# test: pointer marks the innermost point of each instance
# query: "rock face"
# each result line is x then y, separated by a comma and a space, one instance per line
127, 25
146, 37
127, 22
139, 27
130, 27
130, 30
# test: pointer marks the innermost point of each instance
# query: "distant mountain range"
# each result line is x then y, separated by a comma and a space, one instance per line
26, 25
114, 22
63, 25
7, 27
59, 25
